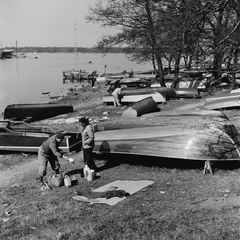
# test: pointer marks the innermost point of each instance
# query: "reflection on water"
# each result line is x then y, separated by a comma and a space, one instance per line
23, 80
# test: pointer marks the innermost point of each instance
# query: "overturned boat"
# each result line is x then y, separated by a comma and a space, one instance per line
188, 136
35, 112
23, 137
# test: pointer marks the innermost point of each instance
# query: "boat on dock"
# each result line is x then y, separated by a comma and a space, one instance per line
18, 136
75, 75
35, 112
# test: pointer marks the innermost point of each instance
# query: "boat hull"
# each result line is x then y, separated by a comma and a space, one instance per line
34, 112
25, 138
157, 141
187, 136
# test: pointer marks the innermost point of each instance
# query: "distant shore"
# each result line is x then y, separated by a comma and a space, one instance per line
69, 50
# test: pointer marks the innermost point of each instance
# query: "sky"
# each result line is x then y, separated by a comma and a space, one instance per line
47, 23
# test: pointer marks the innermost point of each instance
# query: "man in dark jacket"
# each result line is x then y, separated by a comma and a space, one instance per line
49, 152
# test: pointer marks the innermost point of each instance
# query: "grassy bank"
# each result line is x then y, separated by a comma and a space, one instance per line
182, 203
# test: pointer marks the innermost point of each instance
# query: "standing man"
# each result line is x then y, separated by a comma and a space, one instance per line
87, 143
49, 152
116, 93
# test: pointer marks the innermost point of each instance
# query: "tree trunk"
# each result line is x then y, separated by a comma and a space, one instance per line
154, 44
154, 64
217, 61
235, 62
177, 64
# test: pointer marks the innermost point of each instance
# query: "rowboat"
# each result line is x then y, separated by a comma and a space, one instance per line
23, 137
187, 93
223, 102
34, 112
192, 137
156, 96
166, 92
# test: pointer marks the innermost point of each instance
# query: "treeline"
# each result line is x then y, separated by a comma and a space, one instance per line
72, 50
176, 31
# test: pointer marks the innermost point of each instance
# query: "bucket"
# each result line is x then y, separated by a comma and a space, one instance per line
91, 175
56, 180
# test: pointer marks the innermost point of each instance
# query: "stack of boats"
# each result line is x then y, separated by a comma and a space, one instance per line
142, 86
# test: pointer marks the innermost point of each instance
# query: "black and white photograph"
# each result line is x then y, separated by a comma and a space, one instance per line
119, 119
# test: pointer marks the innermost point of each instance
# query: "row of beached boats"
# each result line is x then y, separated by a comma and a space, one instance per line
195, 135
203, 134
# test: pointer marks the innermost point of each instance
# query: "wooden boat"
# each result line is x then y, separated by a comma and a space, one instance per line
131, 83
193, 137
129, 99
139, 108
74, 74
157, 97
23, 137
187, 93
223, 102
34, 112
166, 92
223, 105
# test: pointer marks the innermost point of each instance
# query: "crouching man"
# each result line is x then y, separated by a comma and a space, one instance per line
49, 152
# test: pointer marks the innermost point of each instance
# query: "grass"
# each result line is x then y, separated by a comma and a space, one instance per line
163, 210
182, 204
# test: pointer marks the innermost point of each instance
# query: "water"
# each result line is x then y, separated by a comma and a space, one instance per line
23, 80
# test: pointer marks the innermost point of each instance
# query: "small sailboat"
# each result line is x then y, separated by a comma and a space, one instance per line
35, 55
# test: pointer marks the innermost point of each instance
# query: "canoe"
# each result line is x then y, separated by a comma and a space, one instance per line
184, 137
229, 97
223, 102
166, 92
23, 137
180, 119
223, 105
34, 112
187, 93
157, 97
139, 108
129, 99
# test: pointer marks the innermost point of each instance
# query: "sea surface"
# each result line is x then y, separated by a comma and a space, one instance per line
27, 80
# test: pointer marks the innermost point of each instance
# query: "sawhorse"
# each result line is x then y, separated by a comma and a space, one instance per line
207, 167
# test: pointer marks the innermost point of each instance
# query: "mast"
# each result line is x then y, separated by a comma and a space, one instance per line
75, 39
16, 47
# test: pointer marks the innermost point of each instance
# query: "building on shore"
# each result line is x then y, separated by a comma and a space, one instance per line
6, 53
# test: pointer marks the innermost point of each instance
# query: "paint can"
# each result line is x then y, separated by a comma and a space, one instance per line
67, 181
91, 175
85, 171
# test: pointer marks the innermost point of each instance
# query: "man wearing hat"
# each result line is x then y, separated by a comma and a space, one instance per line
49, 152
